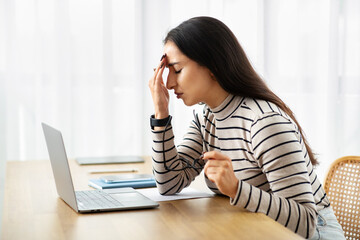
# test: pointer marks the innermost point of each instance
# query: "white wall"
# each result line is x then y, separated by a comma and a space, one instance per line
2, 122
2, 149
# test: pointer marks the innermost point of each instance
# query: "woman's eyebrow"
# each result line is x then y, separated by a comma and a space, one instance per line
172, 64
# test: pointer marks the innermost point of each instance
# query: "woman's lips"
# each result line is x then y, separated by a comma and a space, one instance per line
178, 95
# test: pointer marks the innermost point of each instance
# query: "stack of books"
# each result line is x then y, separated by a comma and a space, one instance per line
123, 180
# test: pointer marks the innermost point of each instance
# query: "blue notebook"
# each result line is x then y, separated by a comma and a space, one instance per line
100, 184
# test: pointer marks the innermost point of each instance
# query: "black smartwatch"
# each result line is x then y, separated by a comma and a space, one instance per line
158, 122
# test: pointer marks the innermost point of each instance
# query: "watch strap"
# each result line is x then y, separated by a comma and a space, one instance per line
154, 122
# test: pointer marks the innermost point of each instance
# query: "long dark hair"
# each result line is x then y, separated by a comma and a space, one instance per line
210, 43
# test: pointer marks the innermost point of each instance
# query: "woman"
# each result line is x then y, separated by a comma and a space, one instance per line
246, 139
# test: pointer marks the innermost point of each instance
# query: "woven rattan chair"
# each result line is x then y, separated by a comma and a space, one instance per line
342, 185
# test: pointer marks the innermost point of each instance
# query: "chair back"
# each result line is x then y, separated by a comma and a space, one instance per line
342, 185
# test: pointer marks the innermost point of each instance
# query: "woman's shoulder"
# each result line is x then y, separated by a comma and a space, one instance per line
261, 107
267, 113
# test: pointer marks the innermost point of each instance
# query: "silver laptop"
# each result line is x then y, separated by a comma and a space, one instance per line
91, 200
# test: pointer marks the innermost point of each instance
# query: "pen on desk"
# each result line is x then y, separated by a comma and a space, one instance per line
122, 170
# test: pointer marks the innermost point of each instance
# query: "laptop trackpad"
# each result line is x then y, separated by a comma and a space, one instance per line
129, 197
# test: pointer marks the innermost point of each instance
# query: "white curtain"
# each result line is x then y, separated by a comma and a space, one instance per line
312, 59
83, 65
73, 65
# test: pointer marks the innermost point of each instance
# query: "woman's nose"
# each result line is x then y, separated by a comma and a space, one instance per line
170, 83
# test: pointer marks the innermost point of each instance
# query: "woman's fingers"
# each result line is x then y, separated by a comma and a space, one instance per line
157, 75
158, 71
159, 92
216, 155
158, 84
219, 170
216, 161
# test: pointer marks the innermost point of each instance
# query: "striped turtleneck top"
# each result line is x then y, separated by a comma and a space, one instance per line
268, 155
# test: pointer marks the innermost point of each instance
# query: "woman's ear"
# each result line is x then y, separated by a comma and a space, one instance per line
212, 76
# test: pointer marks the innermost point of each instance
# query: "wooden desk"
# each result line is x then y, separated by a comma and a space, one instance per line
33, 210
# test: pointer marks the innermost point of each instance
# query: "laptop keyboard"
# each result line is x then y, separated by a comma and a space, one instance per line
95, 200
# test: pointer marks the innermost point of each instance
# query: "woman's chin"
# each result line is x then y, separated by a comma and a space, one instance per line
188, 103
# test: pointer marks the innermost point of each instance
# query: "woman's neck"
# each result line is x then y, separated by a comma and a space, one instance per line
216, 96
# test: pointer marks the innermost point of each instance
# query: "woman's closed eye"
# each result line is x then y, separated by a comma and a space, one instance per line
177, 72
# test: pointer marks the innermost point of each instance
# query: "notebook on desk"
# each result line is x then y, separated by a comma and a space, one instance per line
100, 184
91, 200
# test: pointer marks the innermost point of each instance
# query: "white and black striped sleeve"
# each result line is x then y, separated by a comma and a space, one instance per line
277, 148
170, 182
